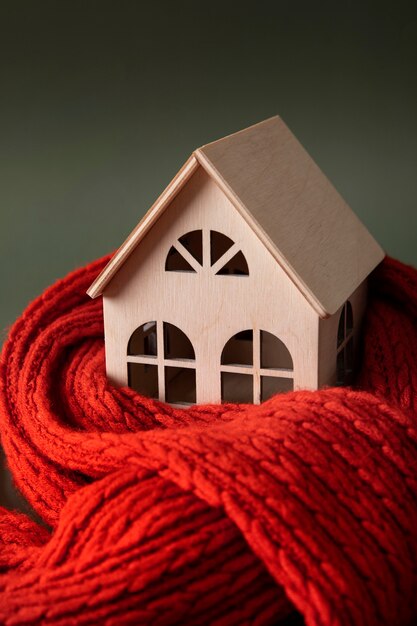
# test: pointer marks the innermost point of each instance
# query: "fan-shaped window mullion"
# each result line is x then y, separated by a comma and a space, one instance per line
219, 245
225, 258
175, 262
209, 248
232, 263
237, 266
193, 243
186, 254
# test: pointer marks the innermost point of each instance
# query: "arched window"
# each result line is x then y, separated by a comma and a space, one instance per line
254, 366
161, 363
345, 347
218, 253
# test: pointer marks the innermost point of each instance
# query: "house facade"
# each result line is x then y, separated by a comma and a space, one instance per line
198, 308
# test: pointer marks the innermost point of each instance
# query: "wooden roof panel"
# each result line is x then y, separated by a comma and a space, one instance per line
318, 239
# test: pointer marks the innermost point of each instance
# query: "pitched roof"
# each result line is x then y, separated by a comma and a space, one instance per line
289, 203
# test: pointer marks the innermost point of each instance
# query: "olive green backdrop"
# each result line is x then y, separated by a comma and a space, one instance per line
101, 103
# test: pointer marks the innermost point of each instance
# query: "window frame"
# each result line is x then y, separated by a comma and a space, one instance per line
206, 265
161, 361
255, 370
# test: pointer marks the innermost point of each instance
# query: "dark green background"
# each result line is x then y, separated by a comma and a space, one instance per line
101, 103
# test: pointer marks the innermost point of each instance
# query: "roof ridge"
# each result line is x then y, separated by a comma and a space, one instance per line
239, 132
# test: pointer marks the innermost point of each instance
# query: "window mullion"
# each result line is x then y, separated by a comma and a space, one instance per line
256, 366
237, 369
187, 363
225, 258
160, 359
146, 360
277, 373
344, 342
187, 256
206, 248
345, 328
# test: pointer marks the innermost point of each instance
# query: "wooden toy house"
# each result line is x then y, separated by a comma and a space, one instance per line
246, 278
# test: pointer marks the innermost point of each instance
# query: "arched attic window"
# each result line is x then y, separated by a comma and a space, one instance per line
221, 256
255, 365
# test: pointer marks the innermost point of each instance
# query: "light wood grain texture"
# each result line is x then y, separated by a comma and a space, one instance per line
208, 308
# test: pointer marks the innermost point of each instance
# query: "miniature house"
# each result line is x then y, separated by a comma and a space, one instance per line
246, 278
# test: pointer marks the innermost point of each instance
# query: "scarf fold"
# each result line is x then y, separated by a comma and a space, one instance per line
220, 514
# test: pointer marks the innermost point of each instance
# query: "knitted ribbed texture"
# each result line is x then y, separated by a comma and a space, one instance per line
223, 515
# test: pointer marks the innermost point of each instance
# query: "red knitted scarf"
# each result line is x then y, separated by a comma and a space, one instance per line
216, 515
